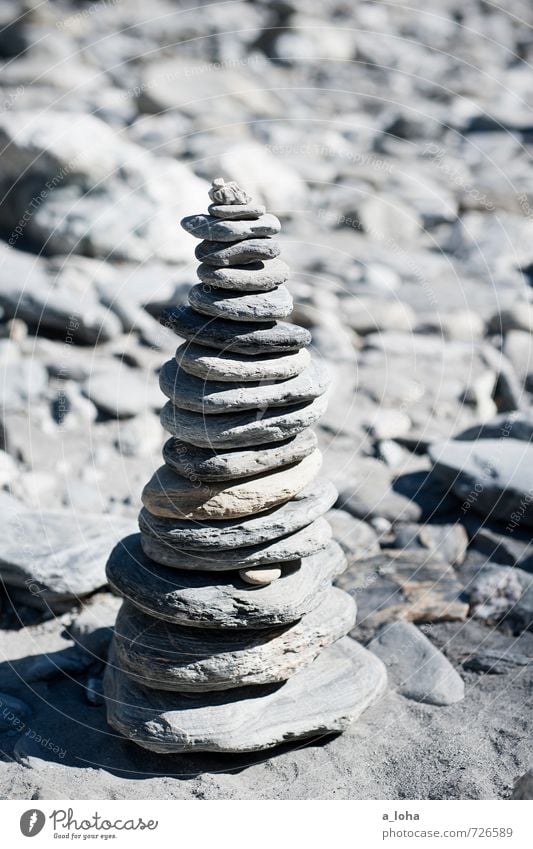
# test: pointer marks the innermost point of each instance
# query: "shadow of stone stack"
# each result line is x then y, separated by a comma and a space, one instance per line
231, 636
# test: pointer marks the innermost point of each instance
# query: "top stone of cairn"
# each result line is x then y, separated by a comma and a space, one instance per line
227, 193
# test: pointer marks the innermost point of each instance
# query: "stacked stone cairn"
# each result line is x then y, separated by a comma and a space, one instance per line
231, 636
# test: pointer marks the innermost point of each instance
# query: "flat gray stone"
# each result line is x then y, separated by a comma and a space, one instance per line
227, 367
165, 656
201, 599
490, 476
171, 495
239, 336
447, 541
415, 667
205, 464
324, 697
301, 543
220, 254
120, 391
229, 230
55, 555
357, 538
210, 397
255, 306
303, 509
254, 277
236, 210
235, 430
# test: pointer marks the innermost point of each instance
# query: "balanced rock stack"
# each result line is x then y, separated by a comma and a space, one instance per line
231, 636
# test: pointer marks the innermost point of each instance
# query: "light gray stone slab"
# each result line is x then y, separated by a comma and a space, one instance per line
236, 306
304, 508
172, 657
220, 254
206, 464
416, 668
235, 336
236, 210
171, 495
229, 367
211, 397
254, 277
236, 430
55, 555
301, 543
490, 476
230, 230
120, 391
324, 697
357, 538
200, 599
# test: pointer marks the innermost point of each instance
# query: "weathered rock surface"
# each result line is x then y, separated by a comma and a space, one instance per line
220, 254
225, 601
357, 539
163, 656
241, 338
229, 367
229, 230
257, 306
234, 430
259, 276
415, 668
410, 585
193, 393
491, 476
302, 543
236, 210
169, 494
304, 508
119, 391
333, 691
51, 555
206, 464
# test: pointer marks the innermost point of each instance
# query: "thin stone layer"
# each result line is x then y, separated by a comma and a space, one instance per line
323, 698
220, 254
164, 656
239, 368
220, 600
239, 211
301, 543
241, 337
241, 430
230, 230
255, 306
308, 505
168, 494
210, 397
205, 464
254, 277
